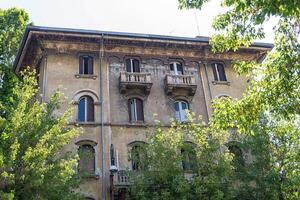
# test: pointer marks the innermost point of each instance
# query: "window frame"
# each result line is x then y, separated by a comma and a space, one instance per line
90, 65
84, 170
175, 67
86, 109
134, 113
180, 111
216, 72
132, 67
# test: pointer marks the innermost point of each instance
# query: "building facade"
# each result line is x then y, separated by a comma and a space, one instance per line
121, 83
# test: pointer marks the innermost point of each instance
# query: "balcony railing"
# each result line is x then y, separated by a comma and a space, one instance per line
183, 82
130, 80
121, 178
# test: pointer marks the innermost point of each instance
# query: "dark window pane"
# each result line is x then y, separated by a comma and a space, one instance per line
221, 71
85, 65
136, 160
139, 108
136, 65
179, 69
90, 65
81, 110
90, 109
176, 106
131, 109
172, 66
80, 65
128, 65
238, 159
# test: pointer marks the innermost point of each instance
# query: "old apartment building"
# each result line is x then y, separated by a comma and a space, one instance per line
120, 83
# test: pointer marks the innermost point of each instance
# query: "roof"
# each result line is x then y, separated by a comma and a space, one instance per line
117, 34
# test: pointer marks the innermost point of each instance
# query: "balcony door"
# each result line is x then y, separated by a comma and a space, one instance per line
132, 65
176, 68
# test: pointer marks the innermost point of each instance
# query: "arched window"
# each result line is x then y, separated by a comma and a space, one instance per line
176, 68
86, 109
86, 65
188, 157
87, 160
181, 108
219, 72
136, 112
137, 157
132, 65
238, 160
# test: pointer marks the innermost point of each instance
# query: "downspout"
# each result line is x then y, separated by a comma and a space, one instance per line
101, 55
208, 84
204, 91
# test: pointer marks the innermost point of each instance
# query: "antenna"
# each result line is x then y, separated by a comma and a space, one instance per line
196, 21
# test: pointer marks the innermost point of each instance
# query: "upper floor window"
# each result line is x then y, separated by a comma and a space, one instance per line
86, 65
181, 108
137, 157
132, 65
136, 112
219, 72
87, 161
176, 68
86, 109
188, 157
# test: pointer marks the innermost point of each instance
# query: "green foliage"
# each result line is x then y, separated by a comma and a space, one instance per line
32, 163
12, 25
267, 116
209, 177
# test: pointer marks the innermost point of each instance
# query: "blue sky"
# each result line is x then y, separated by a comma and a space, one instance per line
137, 16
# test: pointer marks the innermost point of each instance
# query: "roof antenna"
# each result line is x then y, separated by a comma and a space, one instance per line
196, 21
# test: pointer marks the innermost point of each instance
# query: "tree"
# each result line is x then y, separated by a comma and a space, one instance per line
177, 169
268, 113
32, 163
12, 25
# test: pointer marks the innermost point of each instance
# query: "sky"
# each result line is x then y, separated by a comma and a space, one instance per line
161, 17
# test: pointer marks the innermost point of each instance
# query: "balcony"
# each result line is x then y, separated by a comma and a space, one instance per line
121, 179
180, 83
129, 80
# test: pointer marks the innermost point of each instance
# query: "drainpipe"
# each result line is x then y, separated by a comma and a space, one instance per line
204, 91
208, 83
101, 55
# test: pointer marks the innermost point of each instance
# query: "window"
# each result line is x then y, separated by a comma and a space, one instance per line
238, 159
219, 72
188, 157
176, 68
137, 161
132, 65
86, 109
86, 65
136, 112
86, 159
180, 110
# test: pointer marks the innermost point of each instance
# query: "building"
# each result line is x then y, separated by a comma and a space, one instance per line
120, 83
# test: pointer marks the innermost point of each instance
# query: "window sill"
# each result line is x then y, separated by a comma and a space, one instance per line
137, 123
89, 176
77, 123
87, 76
221, 83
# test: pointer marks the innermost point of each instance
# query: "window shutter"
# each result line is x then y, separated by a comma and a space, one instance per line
90, 65
80, 64
90, 109
140, 112
128, 65
215, 72
136, 65
221, 71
